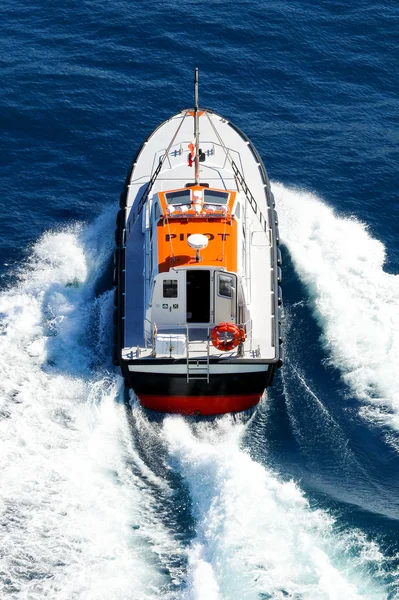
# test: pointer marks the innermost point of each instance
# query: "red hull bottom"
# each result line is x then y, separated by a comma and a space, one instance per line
199, 405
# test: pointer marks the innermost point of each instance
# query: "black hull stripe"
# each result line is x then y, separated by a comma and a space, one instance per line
177, 385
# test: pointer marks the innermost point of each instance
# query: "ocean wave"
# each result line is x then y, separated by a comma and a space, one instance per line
257, 536
354, 300
77, 519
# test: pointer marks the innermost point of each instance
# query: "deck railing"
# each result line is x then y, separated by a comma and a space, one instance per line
195, 335
248, 194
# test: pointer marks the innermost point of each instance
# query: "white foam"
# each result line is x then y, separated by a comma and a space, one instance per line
354, 300
79, 522
76, 521
256, 535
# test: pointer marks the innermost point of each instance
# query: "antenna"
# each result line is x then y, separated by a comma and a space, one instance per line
198, 241
196, 127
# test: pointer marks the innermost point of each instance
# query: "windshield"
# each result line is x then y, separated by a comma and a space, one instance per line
214, 197
179, 197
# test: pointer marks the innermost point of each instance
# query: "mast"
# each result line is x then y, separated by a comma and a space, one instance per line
196, 127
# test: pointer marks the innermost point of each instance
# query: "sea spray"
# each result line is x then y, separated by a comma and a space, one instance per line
257, 536
355, 301
77, 521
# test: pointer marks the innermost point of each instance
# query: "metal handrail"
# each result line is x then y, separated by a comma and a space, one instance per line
185, 328
148, 189
249, 196
239, 176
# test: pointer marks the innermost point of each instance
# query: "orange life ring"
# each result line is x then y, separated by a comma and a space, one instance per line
227, 336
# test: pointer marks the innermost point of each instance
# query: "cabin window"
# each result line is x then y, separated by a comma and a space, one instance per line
214, 197
179, 197
225, 286
170, 288
238, 210
156, 211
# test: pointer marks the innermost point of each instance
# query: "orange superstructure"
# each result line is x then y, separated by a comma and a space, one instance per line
173, 250
178, 222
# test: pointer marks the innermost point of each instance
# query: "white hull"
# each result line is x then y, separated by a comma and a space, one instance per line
143, 320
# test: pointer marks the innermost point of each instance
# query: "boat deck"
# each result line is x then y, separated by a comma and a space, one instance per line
217, 171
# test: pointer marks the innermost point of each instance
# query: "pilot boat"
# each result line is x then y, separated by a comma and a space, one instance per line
197, 269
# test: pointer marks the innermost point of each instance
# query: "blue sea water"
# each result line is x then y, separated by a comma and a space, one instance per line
96, 500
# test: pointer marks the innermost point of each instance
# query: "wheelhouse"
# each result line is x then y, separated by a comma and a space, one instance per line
196, 288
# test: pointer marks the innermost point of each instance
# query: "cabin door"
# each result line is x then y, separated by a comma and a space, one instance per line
225, 302
198, 294
169, 301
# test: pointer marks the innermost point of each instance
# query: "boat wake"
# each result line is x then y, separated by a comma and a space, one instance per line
256, 535
76, 518
355, 302
98, 501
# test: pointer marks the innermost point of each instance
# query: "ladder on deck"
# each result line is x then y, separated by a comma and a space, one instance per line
197, 368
